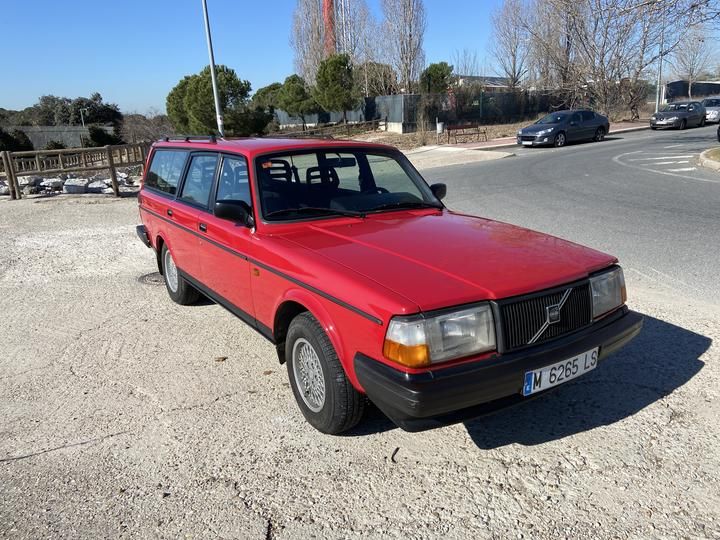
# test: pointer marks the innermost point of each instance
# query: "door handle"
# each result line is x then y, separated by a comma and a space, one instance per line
202, 227
169, 212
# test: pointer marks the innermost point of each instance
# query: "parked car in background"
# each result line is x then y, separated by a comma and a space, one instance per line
342, 256
562, 127
679, 115
712, 109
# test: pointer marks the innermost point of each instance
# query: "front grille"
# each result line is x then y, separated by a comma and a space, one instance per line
527, 138
522, 318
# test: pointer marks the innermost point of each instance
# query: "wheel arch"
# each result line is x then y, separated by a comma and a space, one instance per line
290, 306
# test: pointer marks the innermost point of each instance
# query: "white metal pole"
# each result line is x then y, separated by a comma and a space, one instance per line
218, 111
662, 54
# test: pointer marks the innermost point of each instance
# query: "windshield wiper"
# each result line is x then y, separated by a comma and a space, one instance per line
316, 210
406, 204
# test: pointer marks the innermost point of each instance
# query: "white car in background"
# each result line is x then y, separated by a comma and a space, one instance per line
712, 109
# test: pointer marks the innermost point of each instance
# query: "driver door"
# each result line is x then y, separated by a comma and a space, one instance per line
575, 127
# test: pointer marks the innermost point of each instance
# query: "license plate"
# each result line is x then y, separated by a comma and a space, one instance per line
560, 372
527, 143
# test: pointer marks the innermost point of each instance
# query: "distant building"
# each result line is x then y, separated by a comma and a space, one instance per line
677, 90
498, 84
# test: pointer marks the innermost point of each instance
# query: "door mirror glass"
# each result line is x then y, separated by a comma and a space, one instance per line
439, 190
236, 211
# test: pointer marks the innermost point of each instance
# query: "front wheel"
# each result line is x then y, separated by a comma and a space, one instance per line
683, 124
702, 122
322, 390
559, 140
599, 134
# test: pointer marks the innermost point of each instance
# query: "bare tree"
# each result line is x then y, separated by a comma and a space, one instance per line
510, 42
466, 63
151, 126
307, 38
692, 56
404, 25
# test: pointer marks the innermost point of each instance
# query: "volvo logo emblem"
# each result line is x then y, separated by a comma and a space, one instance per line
552, 315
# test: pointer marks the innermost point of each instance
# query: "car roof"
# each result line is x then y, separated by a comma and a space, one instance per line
252, 146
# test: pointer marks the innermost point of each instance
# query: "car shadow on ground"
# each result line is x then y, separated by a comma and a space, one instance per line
662, 358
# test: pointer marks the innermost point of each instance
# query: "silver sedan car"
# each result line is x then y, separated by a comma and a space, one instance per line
712, 109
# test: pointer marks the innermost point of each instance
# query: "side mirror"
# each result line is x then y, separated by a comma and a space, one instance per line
573, 123
439, 190
237, 211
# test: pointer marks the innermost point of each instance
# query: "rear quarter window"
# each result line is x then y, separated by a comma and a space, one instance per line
165, 170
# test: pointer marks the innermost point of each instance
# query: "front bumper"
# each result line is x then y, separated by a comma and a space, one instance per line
665, 123
440, 397
533, 140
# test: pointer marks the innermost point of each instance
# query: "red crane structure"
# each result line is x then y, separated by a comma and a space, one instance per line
329, 25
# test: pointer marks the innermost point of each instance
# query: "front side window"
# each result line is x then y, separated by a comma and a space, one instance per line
322, 182
711, 103
588, 115
165, 170
199, 179
234, 183
554, 118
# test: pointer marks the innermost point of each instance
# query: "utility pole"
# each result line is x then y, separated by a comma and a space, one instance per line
662, 54
82, 120
218, 111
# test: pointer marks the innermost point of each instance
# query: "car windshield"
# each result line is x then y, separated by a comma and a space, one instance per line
711, 102
670, 107
328, 182
554, 118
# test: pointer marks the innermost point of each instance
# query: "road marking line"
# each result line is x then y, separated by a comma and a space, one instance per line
683, 169
672, 146
663, 157
617, 160
670, 162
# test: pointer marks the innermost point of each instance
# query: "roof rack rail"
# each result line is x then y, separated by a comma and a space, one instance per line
191, 138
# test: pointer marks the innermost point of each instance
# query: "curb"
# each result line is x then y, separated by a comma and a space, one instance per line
707, 162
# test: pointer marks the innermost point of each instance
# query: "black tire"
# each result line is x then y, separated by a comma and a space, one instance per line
653, 128
184, 293
342, 406
683, 124
702, 122
599, 134
560, 140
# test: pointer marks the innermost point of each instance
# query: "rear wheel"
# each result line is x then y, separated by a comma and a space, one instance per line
560, 140
599, 134
180, 291
322, 390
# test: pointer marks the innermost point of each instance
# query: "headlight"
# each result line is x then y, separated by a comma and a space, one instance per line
519, 132
418, 342
608, 291
544, 132
672, 118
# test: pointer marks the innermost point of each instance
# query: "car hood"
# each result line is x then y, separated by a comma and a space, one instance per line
670, 114
441, 259
534, 128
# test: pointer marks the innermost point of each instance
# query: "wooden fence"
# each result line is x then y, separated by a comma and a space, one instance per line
47, 162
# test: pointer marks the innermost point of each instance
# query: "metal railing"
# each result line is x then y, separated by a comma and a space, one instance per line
45, 162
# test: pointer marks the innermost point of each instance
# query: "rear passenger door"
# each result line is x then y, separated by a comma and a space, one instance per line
225, 246
194, 198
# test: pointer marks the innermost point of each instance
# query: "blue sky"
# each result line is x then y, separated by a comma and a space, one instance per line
133, 52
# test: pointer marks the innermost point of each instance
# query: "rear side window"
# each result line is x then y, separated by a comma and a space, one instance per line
587, 115
199, 179
165, 170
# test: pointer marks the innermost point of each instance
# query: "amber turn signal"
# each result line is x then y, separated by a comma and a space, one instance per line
414, 356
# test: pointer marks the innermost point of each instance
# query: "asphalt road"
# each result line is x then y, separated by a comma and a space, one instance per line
639, 195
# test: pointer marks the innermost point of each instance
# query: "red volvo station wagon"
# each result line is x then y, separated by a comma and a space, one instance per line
369, 287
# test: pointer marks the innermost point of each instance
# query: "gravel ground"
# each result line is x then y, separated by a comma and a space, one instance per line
125, 415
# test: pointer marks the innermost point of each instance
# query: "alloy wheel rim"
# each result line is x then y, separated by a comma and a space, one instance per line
171, 273
308, 375
561, 140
